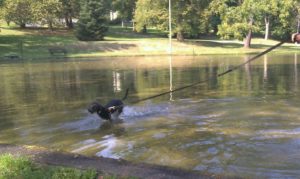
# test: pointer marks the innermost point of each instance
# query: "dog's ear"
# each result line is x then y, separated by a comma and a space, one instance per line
93, 107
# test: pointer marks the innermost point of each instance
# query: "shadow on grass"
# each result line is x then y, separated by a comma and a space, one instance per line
94, 47
214, 43
117, 33
224, 44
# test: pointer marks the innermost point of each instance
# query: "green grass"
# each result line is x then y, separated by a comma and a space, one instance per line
117, 33
21, 167
24, 168
34, 44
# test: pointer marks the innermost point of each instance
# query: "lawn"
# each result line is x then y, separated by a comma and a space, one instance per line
34, 43
22, 167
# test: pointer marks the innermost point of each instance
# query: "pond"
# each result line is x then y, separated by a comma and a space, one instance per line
245, 123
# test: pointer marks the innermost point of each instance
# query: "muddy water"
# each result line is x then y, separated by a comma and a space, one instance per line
246, 123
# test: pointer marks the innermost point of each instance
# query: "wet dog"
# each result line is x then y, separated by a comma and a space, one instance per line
111, 110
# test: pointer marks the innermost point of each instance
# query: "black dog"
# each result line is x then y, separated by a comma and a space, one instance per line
111, 110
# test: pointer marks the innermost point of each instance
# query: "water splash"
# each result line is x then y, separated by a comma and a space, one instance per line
106, 146
90, 122
148, 110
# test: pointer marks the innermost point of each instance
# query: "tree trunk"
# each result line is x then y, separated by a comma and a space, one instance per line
69, 22
247, 41
298, 26
23, 25
267, 23
133, 26
144, 29
50, 24
71, 25
179, 28
179, 36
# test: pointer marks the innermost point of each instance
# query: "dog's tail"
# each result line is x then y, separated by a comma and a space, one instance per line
126, 94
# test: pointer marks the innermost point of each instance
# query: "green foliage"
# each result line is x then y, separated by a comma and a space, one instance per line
239, 17
286, 18
21, 167
11, 167
70, 9
92, 24
152, 13
18, 11
125, 8
46, 11
186, 15
237, 21
1, 2
69, 173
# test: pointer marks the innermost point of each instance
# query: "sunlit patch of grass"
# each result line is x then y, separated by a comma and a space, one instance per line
22, 167
117, 33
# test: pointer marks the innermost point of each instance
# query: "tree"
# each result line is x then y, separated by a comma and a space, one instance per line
92, 23
1, 9
185, 15
286, 19
70, 9
46, 11
149, 12
18, 11
125, 8
269, 10
1, 2
238, 19
298, 17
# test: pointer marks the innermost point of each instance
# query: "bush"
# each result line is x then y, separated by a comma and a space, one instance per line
92, 23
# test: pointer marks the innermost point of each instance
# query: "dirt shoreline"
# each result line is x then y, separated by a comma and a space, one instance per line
103, 165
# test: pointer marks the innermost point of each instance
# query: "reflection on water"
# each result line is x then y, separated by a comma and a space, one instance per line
245, 123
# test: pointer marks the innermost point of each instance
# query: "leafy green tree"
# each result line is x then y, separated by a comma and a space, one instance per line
239, 19
70, 9
298, 17
92, 23
286, 19
150, 13
269, 10
18, 11
281, 14
185, 15
1, 2
125, 8
47, 11
1, 9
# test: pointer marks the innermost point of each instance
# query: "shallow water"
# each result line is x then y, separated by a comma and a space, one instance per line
245, 123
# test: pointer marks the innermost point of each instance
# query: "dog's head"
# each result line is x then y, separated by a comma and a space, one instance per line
99, 109
94, 107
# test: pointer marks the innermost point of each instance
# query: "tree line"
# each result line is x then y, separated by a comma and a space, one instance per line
42, 12
238, 19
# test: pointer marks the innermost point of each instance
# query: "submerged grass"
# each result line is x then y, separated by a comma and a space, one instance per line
34, 44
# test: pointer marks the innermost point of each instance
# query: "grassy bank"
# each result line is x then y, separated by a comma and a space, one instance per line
34, 44
21, 167
38, 162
